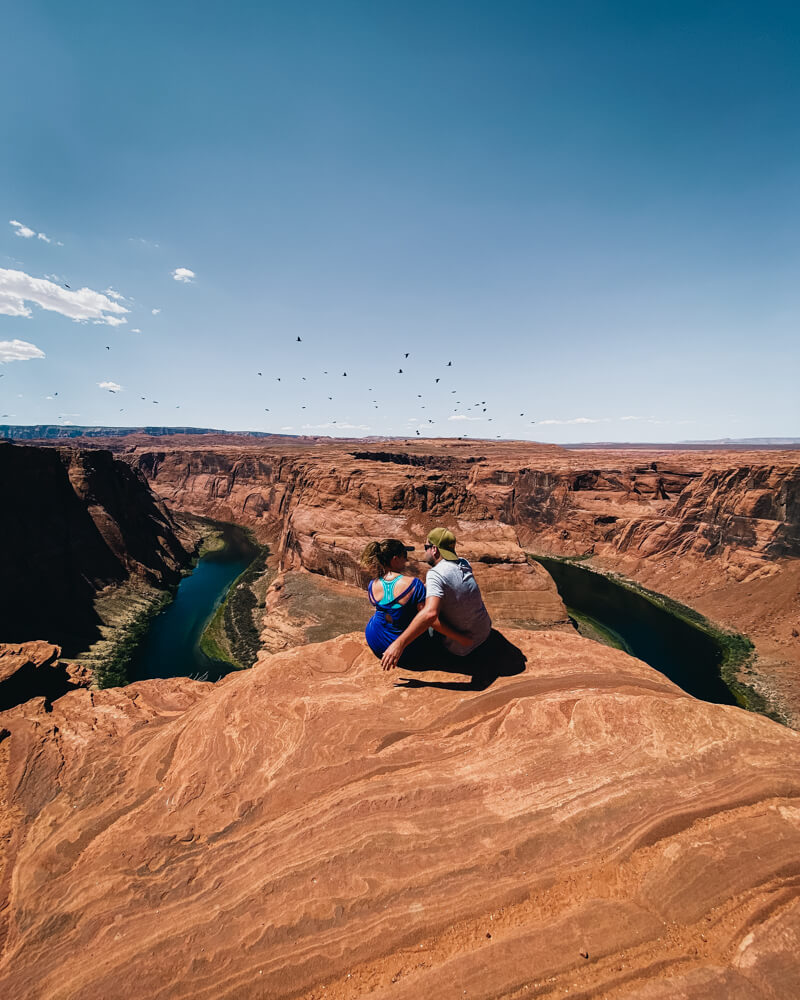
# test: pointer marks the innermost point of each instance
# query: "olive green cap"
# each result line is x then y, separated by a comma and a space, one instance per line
445, 542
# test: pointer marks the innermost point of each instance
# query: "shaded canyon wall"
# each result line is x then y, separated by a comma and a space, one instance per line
74, 524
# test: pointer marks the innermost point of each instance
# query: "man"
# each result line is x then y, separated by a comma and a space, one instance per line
451, 594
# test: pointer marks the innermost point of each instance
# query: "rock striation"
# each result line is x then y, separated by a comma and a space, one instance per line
316, 828
79, 522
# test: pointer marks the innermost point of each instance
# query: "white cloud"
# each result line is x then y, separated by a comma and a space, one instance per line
463, 416
18, 350
155, 312
17, 288
146, 243
24, 231
135, 329
631, 418
183, 274
287, 428
114, 295
111, 386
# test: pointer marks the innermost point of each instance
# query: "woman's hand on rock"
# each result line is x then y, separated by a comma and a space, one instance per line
391, 657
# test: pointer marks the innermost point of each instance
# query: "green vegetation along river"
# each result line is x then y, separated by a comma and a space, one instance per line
172, 645
670, 637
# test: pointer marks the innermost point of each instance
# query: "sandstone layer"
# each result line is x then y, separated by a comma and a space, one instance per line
77, 523
316, 828
718, 530
33, 670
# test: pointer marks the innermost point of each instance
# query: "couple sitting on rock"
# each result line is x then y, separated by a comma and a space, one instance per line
423, 624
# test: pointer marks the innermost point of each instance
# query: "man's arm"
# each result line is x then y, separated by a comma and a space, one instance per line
418, 624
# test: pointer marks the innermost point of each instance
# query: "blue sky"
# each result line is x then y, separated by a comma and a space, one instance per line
590, 209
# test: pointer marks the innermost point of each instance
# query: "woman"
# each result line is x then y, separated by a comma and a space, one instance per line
396, 597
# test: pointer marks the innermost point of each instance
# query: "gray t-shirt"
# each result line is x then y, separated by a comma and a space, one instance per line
461, 602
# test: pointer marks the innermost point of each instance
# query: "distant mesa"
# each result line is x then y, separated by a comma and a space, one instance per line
45, 432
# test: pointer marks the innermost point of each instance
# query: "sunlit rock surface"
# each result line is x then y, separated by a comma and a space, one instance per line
317, 828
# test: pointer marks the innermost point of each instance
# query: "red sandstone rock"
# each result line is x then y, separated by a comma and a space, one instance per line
31, 670
316, 828
17, 656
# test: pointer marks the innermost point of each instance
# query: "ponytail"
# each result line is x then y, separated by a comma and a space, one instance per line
377, 555
371, 560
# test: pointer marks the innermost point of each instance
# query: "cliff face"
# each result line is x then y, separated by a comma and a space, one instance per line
738, 517
738, 514
313, 827
77, 522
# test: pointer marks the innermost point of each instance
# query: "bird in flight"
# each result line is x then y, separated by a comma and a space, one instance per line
437, 379
299, 341
449, 364
399, 371
66, 286
405, 355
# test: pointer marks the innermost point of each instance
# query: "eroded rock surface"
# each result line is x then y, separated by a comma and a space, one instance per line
317, 828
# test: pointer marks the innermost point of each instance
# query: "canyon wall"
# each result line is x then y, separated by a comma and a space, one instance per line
76, 523
738, 512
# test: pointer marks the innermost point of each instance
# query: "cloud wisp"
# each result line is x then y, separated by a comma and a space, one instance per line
18, 350
18, 288
111, 386
463, 416
27, 233
183, 274
611, 420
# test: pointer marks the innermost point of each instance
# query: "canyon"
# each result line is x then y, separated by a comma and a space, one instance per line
313, 827
718, 531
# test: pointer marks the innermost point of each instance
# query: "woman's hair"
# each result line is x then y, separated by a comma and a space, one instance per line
377, 555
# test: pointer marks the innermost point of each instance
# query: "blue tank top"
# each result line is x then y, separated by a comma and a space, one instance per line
391, 618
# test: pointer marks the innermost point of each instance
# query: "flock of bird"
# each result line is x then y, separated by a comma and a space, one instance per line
391, 399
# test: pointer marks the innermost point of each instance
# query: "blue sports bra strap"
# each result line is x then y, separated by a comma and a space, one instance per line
407, 590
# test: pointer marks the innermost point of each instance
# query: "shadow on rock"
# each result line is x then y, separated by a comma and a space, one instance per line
497, 657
